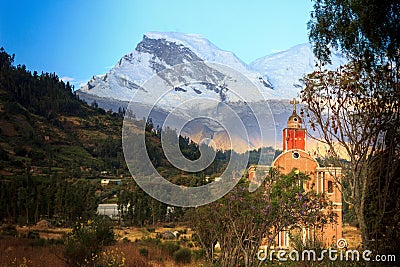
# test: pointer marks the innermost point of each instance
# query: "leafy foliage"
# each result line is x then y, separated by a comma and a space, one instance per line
362, 29
183, 256
241, 221
44, 126
86, 240
356, 109
54, 147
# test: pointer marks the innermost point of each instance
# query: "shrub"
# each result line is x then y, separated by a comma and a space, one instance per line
37, 242
149, 241
3, 153
104, 232
86, 240
170, 247
144, 252
170, 225
33, 235
10, 230
183, 255
158, 235
112, 258
199, 254
21, 152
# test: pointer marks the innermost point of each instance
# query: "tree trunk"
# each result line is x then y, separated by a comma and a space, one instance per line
358, 209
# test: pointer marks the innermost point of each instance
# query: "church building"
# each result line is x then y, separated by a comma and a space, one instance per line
322, 179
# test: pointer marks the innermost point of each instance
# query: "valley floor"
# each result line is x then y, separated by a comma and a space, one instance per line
134, 246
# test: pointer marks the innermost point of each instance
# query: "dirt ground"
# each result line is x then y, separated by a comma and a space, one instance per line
350, 233
133, 233
353, 236
130, 233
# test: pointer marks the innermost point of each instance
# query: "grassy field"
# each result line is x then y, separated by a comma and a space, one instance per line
41, 245
134, 247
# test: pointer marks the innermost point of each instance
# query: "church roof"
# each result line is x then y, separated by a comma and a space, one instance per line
294, 120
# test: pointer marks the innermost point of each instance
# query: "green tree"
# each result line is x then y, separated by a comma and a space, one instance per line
356, 117
365, 30
241, 220
355, 110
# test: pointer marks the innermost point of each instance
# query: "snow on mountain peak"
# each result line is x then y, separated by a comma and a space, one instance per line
276, 75
284, 69
189, 40
202, 47
162, 50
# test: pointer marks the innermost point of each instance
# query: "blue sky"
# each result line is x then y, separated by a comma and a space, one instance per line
78, 39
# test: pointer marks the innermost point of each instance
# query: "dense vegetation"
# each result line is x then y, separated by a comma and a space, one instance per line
241, 220
51, 145
54, 149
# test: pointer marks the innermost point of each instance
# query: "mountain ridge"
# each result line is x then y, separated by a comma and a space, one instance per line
276, 75
183, 65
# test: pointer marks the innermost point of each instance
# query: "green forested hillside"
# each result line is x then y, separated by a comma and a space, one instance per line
54, 149
52, 145
46, 129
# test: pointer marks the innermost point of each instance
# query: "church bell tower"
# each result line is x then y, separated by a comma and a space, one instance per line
294, 135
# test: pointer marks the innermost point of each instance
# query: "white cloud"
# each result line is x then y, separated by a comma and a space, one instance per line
79, 83
83, 84
67, 79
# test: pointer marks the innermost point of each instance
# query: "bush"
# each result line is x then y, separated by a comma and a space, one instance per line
109, 258
158, 236
3, 153
199, 254
10, 230
151, 230
33, 235
21, 152
170, 225
104, 232
144, 252
170, 247
38, 242
183, 255
87, 240
183, 232
148, 241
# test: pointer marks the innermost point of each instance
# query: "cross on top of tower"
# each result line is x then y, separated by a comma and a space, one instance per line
294, 102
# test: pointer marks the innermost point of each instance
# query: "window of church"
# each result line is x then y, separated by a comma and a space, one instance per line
296, 155
330, 187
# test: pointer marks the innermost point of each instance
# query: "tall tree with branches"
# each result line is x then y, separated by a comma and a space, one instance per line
242, 221
355, 110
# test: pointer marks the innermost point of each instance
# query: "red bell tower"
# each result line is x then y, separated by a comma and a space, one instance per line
294, 136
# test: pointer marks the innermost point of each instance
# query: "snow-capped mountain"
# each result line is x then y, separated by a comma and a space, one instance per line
160, 51
187, 66
285, 69
277, 75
